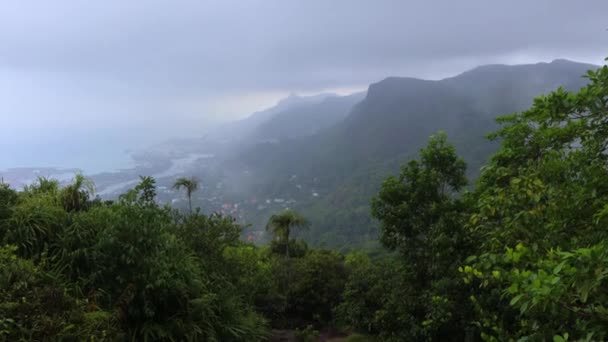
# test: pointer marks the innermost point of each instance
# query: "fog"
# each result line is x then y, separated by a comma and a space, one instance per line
83, 83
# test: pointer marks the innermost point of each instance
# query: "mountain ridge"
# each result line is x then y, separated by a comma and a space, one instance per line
346, 162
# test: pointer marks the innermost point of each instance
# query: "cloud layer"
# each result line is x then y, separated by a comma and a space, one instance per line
140, 71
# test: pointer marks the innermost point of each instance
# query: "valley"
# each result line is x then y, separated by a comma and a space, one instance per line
330, 169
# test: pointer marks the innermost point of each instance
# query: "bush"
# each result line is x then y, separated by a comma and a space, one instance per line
308, 334
35, 305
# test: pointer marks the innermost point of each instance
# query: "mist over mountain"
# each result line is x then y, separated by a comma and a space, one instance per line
301, 120
249, 128
326, 154
331, 175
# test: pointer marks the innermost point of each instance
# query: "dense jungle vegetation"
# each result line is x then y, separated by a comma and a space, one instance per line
521, 254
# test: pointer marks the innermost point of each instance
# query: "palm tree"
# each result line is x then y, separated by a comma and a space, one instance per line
281, 225
75, 195
190, 184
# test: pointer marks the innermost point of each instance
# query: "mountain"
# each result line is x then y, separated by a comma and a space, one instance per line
292, 117
327, 155
247, 128
306, 119
344, 164
517, 85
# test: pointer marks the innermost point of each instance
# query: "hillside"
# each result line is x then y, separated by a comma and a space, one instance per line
327, 155
248, 128
306, 119
345, 163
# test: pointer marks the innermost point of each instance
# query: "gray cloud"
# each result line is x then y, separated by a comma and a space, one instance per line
157, 68
230, 45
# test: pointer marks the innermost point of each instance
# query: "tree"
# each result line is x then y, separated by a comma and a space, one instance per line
423, 217
281, 225
190, 184
318, 288
146, 189
540, 216
36, 305
419, 209
378, 300
143, 193
8, 198
43, 185
75, 196
128, 270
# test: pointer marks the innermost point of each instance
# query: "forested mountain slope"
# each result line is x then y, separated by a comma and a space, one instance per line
306, 119
248, 129
345, 162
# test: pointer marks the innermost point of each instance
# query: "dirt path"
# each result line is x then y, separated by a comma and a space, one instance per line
289, 336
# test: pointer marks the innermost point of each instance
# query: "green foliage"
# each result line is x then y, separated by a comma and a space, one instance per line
317, 287
34, 224
251, 275
126, 270
540, 214
75, 197
208, 236
43, 185
190, 184
8, 198
378, 300
297, 248
359, 338
419, 204
308, 334
144, 192
529, 243
423, 218
281, 226
35, 305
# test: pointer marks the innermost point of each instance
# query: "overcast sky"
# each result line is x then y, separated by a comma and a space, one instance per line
82, 79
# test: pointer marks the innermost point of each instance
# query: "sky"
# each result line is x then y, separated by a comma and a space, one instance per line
83, 81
